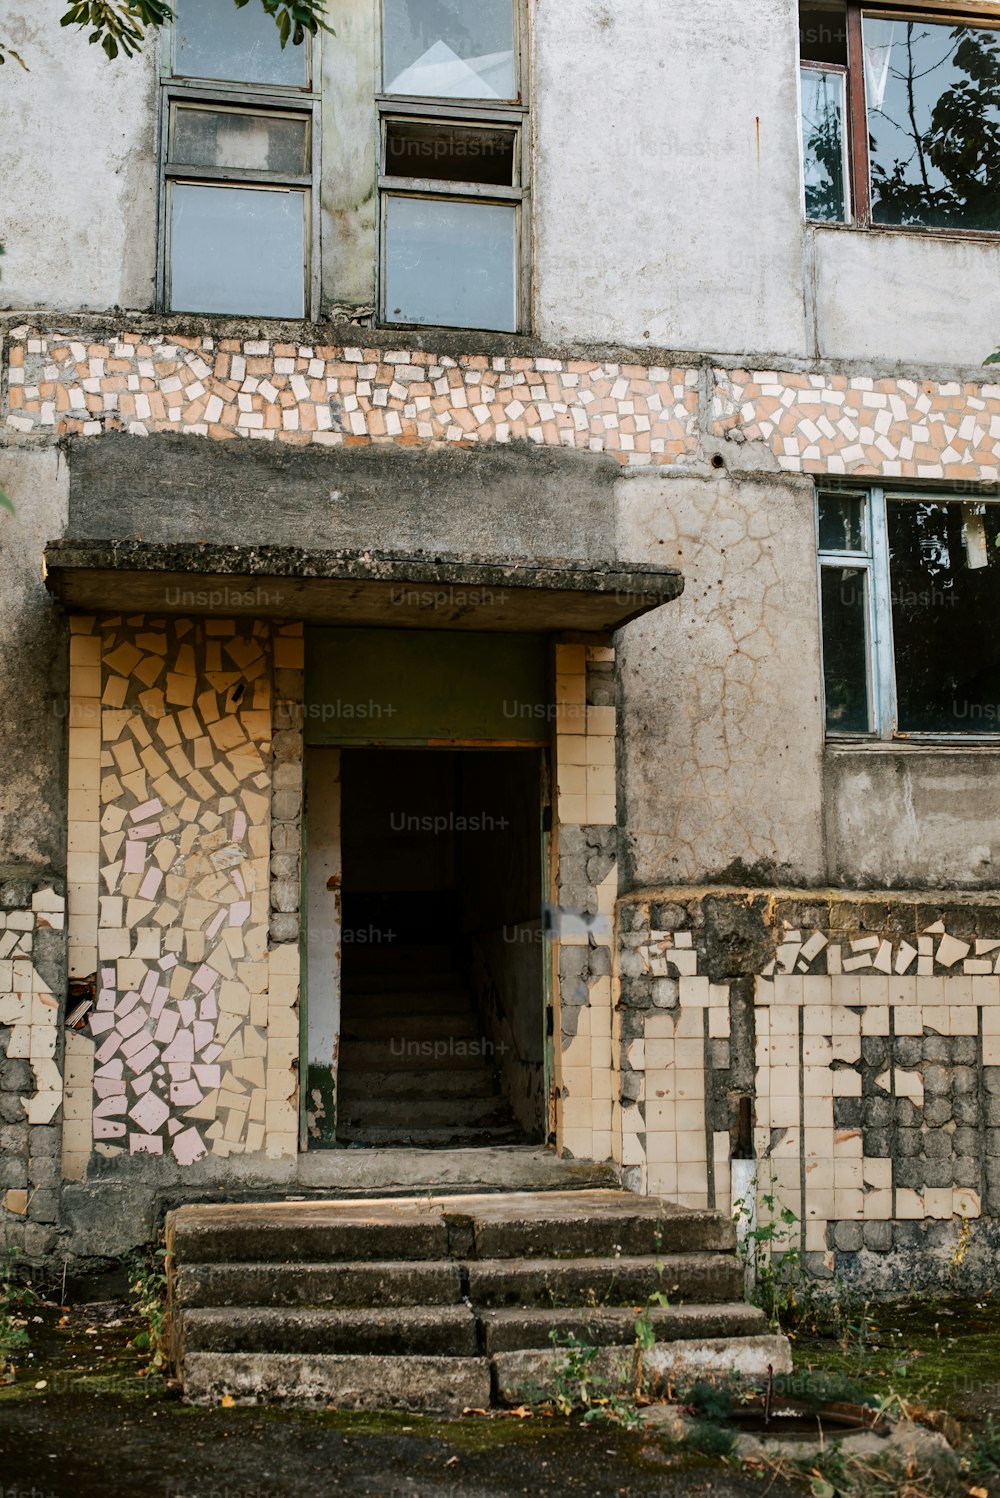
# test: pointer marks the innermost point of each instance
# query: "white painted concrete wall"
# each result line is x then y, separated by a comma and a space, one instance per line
904, 296
667, 176
323, 906
77, 167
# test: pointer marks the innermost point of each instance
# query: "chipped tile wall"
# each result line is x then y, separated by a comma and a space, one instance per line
191, 1046
867, 1047
586, 889
30, 1056
874, 1030
667, 1135
642, 414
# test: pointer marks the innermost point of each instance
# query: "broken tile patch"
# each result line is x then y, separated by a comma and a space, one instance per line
876, 1068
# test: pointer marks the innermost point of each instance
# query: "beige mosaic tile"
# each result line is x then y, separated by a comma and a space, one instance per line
181, 923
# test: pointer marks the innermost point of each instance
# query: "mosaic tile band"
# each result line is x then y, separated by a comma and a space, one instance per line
303, 394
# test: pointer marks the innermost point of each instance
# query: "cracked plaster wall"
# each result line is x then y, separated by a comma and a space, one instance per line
721, 747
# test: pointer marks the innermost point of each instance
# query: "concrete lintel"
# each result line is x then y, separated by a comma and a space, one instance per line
359, 588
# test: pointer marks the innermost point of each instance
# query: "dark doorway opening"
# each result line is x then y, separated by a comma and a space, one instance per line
443, 1010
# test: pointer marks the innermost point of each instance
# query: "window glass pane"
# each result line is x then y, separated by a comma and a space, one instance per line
934, 123
449, 49
823, 100
451, 263
823, 32
842, 522
212, 39
449, 153
227, 137
944, 563
237, 249
845, 655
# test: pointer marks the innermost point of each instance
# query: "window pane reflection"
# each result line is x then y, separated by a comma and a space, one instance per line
934, 123
449, 49
237, 249
845, 655
451, 263
823, 107
212, 39
944, 565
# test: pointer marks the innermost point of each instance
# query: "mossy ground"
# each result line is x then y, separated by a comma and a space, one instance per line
934, 1354
82, 1405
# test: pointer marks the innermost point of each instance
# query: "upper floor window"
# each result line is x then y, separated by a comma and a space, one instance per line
452, 178
900, 118
909, 594
239, 181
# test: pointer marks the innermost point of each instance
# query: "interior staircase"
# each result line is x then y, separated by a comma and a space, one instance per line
414, 1067
450, 1303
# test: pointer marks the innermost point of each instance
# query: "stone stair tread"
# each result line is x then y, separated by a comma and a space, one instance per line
439, 1331
430, 1137
404, 981
434, 1000
408, 1030
420, 1302
455, 1113
615, 1281
605, 1326
389, 1282
499, 1283
376, 1055
409, 1084
442, 1385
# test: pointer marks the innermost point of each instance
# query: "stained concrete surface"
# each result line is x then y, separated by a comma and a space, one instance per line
98, 1446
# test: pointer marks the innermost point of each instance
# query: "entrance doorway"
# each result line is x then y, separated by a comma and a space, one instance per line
426, 873
441, 1037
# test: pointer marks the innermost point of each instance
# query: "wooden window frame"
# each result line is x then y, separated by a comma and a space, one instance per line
301, 101
858, 187
512, 114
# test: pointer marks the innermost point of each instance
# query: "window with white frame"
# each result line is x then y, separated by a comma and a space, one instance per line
239, 196
453, 153
909, 599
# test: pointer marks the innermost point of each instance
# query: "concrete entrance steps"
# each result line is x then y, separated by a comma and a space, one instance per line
441, 1304
414, 1068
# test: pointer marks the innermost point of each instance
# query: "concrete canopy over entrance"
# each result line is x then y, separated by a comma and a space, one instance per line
366, 588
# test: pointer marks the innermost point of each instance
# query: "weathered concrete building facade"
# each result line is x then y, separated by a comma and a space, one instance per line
508, 497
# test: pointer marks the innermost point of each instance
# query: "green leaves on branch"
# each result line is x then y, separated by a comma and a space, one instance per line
120, 25
994, 358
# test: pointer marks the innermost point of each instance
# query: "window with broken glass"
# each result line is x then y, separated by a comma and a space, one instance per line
909, 597
900, 117
240, 145
452, 171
